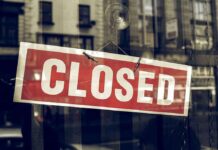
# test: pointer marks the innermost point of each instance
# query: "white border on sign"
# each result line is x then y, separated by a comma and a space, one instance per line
22, 61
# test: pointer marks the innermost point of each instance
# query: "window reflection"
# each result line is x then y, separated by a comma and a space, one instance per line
150, 21
202, 25
177, 26
202, 10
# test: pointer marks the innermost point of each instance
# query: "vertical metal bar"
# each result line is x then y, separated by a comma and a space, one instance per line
194, 23
216, 104
163, 24
215, 28
155, 15
143, 22
214, 20
180, 23
208, 24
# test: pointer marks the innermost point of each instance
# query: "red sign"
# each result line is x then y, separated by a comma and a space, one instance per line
90, 79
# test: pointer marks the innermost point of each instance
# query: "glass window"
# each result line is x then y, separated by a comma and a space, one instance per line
54, 40
172, 24
148, 7
202, 10
89, 44
8, 30
150, 22
202, 25
86, 42
45, 12
203, 37
84, 15
66, 41
182, 27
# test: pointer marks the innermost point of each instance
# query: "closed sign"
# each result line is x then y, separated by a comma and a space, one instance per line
90, 79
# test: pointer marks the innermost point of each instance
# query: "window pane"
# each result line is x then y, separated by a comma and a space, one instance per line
84, 15
89, 44
148, 9
8, 30
203, 25
202, 10
150, 22
54, 41
45, 12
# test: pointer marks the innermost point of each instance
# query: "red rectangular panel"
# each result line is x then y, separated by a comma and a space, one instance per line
67, 77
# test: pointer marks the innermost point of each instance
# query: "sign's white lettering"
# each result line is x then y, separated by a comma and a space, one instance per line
99, 70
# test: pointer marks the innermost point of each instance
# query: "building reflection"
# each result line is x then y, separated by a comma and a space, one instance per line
179, 31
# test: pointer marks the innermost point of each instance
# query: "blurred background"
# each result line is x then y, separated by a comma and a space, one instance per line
178, 31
